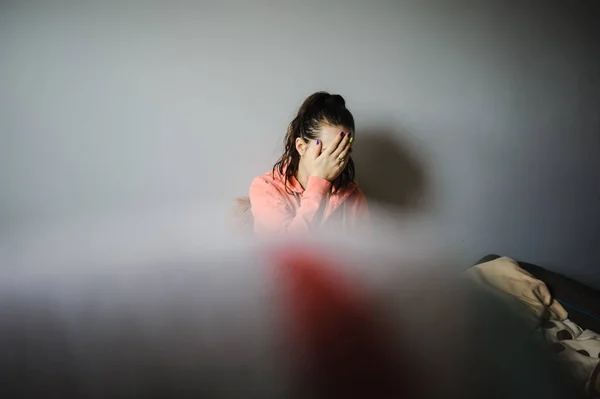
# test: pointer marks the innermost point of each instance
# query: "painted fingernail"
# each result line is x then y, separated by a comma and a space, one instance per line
318, 142
341, 133
349, 134
351, 139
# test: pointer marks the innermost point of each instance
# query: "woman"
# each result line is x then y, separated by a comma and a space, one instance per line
312, 185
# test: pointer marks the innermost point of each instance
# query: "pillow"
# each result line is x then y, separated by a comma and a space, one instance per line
241, 215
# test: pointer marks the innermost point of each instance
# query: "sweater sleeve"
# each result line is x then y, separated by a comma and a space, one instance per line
273, 214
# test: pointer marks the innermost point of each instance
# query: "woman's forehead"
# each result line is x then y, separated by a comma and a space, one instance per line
328, 132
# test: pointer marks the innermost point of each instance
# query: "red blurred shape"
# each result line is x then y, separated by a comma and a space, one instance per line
334, 331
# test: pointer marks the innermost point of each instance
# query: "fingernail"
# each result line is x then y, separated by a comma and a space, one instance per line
318, 142
349, 134
351, 139
341, 133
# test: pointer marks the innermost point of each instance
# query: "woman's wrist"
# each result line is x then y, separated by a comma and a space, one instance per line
319, 176
318, 184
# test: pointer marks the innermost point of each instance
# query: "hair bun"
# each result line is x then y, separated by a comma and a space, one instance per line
337, 100
313, 102
318, 101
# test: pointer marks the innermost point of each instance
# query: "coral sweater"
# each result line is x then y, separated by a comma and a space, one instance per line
300, 210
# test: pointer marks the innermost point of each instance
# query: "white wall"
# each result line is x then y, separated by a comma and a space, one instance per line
108, 107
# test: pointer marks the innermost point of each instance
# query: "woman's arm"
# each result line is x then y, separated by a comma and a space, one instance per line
272, 213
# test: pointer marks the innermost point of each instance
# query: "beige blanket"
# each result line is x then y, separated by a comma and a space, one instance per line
505, 275
578, 349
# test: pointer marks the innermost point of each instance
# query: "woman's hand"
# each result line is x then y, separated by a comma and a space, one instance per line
329, 163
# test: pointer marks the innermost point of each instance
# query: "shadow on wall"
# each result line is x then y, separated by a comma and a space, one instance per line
390, 173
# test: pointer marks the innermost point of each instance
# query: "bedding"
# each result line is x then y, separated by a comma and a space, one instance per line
575, 346
505, 275
582, 302
577, 349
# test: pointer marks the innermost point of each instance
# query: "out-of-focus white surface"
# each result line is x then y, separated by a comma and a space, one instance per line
146, 304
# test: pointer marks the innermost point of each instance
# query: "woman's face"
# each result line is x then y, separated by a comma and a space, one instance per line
329, 134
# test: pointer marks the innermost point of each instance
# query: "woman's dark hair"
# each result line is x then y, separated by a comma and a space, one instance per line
318, 109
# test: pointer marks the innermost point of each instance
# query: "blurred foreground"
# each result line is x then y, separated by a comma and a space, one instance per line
169, 304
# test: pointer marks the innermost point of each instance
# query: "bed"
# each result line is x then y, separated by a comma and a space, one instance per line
581, 301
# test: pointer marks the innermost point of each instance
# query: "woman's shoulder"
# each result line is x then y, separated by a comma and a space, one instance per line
267, 181
269, 177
